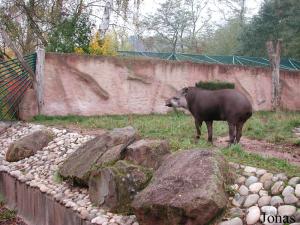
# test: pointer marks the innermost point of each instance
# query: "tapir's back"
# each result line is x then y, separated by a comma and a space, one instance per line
225, 104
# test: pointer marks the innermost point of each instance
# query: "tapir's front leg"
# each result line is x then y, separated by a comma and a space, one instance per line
198, 124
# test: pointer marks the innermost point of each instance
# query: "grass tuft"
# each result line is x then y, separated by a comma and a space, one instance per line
2, 200
214, 85
57, 178
7, 214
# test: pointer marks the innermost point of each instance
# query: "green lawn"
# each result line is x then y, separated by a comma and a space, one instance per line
179, 130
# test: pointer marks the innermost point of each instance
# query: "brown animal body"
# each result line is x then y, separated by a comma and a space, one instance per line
209, 105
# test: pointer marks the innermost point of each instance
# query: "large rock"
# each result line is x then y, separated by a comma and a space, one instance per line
102, 150
115, 186
188, 188
28, 145
147, 153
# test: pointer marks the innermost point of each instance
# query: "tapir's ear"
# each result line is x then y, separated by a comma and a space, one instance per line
185, 90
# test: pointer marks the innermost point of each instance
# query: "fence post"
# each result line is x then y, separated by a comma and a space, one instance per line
39, 71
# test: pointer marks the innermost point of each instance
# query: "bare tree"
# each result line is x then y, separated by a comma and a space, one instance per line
121, 9
170, 23
232, 8
198, 21
106, 18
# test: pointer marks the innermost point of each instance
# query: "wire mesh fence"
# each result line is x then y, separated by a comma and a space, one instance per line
14, 81
285, 64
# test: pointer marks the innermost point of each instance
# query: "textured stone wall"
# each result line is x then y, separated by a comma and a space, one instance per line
87, 85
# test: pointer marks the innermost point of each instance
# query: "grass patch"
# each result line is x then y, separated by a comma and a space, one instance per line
236, 154
6, 214
179, 130
214, 85
57, 178
2, 200
273, 127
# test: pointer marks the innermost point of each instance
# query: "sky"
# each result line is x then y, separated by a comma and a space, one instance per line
253, 6
149, 6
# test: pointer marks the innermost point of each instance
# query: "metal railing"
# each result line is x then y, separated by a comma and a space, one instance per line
14, 81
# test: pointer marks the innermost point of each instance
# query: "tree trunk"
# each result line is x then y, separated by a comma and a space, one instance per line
274, 57
34, 26
106, 18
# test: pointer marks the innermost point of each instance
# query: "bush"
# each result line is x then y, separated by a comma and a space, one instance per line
214, 85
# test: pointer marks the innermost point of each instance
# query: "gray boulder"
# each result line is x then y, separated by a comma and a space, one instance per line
188, 188
105, 149
114, 187
149, 153
28, 145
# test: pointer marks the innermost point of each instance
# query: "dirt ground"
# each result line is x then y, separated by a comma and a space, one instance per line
282, 151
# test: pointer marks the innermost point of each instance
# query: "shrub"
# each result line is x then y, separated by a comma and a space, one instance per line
214, 85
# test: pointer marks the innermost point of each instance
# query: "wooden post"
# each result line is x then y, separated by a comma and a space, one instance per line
39, 72
274, 57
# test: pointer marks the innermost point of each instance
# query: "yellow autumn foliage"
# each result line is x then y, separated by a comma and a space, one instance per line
106, 46
79, 51
9, 52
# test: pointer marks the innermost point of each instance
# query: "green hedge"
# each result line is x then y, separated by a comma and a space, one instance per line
214, 85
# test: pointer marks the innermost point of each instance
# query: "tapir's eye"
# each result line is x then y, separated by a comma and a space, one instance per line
176, 98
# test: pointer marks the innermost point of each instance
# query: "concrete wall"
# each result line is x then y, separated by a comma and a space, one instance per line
87, 85
35, 207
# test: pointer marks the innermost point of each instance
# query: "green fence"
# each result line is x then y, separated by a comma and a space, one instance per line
285, 64
14, 81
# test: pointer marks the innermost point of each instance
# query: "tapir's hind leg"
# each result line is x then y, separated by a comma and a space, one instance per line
209, 130
239, 130
232, 132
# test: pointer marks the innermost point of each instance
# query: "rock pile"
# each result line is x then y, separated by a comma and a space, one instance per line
186, 187
104, 149
261, 196
115, 167
117, 172
41, 171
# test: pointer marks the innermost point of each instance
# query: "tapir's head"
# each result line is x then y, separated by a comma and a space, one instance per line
179, 100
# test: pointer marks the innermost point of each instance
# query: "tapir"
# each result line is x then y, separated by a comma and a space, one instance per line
209, 105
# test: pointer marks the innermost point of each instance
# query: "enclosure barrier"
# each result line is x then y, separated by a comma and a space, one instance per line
35, 207
14, 81
285, 64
